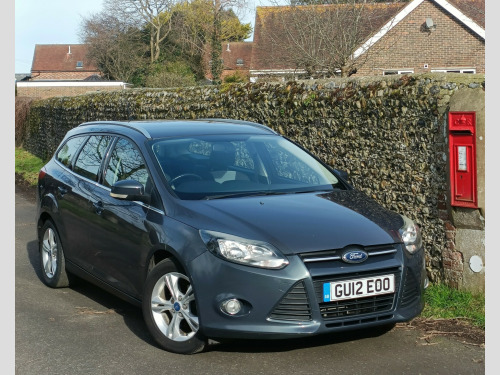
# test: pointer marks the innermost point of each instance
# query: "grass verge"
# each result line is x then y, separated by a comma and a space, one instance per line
441, 302
28, 165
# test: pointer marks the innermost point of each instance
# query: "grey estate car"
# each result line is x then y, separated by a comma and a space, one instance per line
223, 229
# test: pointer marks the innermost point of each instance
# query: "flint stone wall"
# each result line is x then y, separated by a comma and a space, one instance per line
388, 133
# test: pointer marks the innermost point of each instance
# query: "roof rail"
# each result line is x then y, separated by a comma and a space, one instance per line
241, 122
131, 125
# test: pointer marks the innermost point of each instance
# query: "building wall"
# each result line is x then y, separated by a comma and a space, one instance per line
409, 46
36, 76
43, 92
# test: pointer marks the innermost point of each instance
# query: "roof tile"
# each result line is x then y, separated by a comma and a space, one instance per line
61, 58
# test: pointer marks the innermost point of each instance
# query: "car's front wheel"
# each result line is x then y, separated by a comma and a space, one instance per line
52, 262
169, 310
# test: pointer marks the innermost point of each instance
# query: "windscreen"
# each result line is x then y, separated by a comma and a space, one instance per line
214, 167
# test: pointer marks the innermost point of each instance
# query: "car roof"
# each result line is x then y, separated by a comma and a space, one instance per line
152, 129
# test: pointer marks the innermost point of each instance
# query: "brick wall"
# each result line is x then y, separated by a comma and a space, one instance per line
409, 46
36, 76
44, 92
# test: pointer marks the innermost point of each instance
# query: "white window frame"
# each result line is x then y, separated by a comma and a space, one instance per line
388, 72
454, 70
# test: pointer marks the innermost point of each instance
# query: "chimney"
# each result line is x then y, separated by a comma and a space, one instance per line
68, 55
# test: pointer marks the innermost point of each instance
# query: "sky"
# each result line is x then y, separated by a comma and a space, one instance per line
47, 22
58, 22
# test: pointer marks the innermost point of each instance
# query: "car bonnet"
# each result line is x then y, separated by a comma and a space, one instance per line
298, 223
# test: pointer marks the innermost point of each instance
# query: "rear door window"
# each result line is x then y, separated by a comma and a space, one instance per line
90, 158
125, 163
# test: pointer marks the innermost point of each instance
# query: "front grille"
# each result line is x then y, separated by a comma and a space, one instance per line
336, 255
294, 306
357, 306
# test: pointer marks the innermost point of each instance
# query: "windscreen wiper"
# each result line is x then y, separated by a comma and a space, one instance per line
246, 194
313, 191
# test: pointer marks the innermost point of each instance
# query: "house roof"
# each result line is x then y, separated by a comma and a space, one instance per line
473, 8
269, 32
94, 78
61, 58
234, 51
271, 36
22, 76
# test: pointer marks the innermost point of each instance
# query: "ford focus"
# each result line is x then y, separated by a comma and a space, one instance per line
223, 229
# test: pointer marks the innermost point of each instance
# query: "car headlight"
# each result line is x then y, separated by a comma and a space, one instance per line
410, 235
243, 251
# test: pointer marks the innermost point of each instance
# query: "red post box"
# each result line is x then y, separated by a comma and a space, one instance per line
462, 151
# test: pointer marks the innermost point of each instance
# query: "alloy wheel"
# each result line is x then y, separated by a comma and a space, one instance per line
173, 307
49, 253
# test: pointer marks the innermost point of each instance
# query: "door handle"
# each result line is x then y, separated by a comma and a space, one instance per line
98, 207
62, 190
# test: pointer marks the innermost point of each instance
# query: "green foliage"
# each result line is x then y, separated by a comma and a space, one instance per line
124, 52
236, 77
170, 74
232, 30
443, 302
118, 49
310, 98
28, 165
139, 77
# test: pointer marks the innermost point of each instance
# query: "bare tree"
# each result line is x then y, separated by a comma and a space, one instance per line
114, 46
320, 40
156, 15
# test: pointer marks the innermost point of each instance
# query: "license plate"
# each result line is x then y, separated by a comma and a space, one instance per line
358, 288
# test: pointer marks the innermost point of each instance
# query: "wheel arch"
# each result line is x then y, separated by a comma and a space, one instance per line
48, 208
159, 255
42, 219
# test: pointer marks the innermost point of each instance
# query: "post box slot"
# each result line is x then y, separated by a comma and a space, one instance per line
461, 132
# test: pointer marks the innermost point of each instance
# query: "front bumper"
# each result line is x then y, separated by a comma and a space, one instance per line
288, 302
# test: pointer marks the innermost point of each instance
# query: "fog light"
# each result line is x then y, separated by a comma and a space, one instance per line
231, 306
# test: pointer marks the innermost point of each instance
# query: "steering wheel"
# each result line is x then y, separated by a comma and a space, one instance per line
185, 175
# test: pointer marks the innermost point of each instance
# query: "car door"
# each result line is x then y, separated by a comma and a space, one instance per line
122, 241
75, 199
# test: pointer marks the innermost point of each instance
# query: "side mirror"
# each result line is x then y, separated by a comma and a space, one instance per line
130, 190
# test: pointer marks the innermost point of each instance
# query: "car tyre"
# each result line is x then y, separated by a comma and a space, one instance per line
52, 261
169, 310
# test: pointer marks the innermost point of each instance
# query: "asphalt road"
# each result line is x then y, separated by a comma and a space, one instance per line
83, 330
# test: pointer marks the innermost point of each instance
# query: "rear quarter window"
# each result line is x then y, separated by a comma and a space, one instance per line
69, 149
